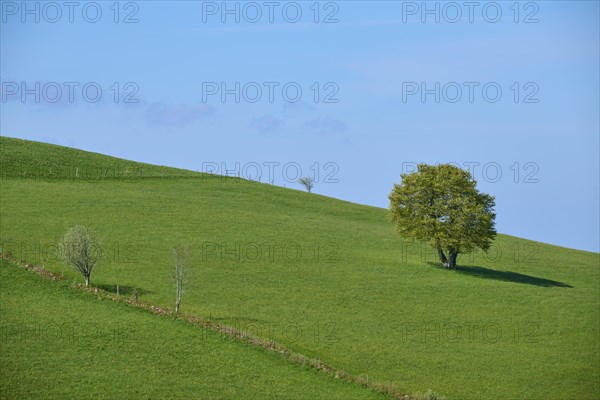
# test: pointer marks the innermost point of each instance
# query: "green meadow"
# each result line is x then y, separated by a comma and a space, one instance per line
325, 278
61, 342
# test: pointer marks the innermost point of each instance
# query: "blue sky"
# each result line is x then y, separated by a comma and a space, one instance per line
378, 70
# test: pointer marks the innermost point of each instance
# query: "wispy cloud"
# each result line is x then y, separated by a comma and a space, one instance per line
290, 109
299, 117
159, 114
326, 124
267, 123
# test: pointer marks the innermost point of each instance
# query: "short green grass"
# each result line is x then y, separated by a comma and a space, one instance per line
520, 322
44, 161
57, 341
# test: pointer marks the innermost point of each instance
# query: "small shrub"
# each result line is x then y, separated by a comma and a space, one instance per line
431, 395
308, 183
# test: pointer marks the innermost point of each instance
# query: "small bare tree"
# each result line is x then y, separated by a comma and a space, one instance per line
308, 182
181, 257
81, 249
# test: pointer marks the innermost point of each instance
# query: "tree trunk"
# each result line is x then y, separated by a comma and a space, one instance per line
178, 296
453, 254
442, 256
87, 280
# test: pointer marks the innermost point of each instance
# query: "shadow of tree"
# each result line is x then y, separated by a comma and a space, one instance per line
123, 289
506, 276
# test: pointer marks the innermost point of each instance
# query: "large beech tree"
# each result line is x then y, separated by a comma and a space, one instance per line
442, 206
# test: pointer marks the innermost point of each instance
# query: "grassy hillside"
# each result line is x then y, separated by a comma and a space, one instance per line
43, 161
326, 278
60, 342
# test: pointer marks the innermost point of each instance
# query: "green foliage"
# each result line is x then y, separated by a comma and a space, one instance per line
80, 248
442, 206
308, 183
526, 312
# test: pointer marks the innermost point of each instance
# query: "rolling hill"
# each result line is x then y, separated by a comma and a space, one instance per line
326, 278
60, 342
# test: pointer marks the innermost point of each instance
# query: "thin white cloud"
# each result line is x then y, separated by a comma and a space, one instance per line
159, 114
267, 124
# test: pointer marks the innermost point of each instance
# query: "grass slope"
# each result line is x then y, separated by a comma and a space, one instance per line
327, 278
61, 342
33, 160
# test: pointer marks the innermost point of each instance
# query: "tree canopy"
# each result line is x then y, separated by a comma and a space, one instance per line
80, 248
308, 183
442, 206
